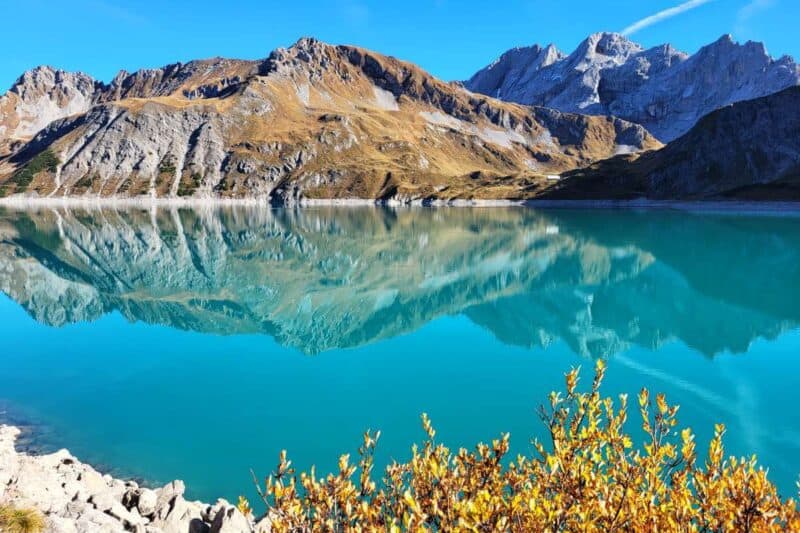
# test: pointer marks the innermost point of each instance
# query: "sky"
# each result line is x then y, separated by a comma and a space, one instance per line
449, 38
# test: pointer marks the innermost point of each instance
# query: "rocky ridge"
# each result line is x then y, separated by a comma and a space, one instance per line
76, 498
311, 121
661, 88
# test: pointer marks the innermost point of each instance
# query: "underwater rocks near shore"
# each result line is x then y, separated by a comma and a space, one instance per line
76, 498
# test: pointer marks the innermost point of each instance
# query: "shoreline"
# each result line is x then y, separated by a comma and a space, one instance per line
738, 206
75, 497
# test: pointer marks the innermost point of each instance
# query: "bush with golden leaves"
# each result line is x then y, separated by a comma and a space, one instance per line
591, 478
14, 520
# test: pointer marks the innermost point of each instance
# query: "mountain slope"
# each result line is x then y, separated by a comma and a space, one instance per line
661, 88
311, 121
747, 150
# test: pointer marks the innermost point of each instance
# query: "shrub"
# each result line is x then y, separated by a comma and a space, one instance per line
187, 187
14, 520
591, 478
167, 166
85, 183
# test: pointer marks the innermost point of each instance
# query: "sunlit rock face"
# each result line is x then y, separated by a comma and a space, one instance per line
331, 278
661, 88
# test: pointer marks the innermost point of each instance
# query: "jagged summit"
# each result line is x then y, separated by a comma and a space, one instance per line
663, 89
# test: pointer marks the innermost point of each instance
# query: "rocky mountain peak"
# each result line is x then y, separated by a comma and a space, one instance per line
308, 55
608, 44
601, 50
45, 79
520, 62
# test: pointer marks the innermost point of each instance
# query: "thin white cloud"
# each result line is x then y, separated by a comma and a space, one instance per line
663, 15
752, 9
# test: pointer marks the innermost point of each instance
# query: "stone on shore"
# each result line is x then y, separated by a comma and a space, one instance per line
75, 498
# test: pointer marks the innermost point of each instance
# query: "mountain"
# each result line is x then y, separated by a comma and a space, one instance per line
748, 150
664, 90
325, 278
311, 121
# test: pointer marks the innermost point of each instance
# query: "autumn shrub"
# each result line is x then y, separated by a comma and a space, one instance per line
13, 520
590, 477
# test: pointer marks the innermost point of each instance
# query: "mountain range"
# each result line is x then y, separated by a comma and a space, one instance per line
661, 88
319, 121
314, 120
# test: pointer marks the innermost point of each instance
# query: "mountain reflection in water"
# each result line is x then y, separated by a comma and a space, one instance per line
325, 278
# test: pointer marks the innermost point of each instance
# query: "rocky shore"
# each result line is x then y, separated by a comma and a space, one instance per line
76, 498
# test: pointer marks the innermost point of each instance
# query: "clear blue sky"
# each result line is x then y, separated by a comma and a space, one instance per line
451, 39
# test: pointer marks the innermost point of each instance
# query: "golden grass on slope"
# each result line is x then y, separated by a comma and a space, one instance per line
591, 478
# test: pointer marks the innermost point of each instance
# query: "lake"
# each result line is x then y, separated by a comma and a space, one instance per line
196, 344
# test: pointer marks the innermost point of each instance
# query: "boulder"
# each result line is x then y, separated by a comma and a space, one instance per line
230, 520
147, 502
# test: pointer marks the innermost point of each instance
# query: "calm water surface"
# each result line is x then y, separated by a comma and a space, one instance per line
197, 344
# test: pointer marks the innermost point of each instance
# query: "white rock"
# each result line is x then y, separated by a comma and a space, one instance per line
148, 501
230, 520
75, 498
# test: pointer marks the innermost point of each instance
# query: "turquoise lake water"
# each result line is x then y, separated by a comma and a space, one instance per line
196, 344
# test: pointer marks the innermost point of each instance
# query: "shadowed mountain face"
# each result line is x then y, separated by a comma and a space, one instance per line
747, 150
318, 279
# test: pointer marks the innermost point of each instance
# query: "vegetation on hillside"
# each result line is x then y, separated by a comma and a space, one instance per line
189, 184
44, 161
13, 520
590, 478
